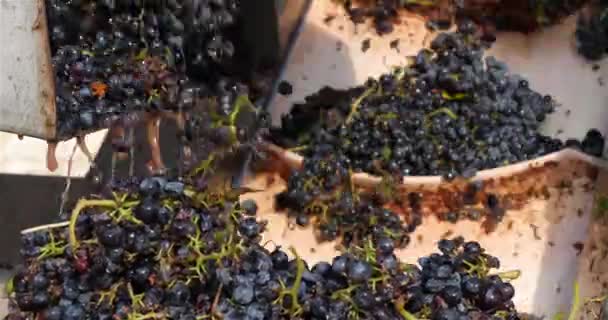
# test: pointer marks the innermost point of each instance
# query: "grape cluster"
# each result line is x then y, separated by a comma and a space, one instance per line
592, 31
113, 58
511, 15
450, 112
155, 250
322, 194
163, 249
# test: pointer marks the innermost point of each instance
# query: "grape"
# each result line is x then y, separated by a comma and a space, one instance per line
209, 260
450, 113
116, 60
524, 16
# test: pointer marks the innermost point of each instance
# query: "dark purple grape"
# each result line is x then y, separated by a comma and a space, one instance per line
147, 211
492, 297
250, 207
451, 295
385, 246
285, 88
40, 282
359, 271
111, 237
339, 265
280, 259
507, 291
472, 286
250, 228
53, 313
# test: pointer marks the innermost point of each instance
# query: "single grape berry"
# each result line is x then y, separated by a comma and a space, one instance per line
285, 88
359, 271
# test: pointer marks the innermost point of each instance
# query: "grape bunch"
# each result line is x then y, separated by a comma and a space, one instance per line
509, 15
592, 31
115, 60
450, 112
323, 195
158, 248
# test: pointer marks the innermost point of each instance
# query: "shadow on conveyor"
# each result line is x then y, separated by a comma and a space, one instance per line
29, 201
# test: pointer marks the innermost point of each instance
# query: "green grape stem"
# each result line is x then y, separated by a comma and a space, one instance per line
109, 294
81, 205
354, 107
53, 248
575, 302
230, 249
298, 148
136, 299
509, 275
400, 307
344, 294
443, 110
292, 292
121, 210
425, 3
241, 102
9, 288
147, 316
204, 166
481, 269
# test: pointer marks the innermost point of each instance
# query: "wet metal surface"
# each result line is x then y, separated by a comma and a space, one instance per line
26, 78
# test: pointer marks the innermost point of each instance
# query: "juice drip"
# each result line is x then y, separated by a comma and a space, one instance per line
51, 157
118, 135
155, 165
116, 132
68, 182
82, 144
131, 152
185, 152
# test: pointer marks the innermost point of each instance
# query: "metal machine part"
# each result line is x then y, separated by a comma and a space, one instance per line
27, 91
277, 20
